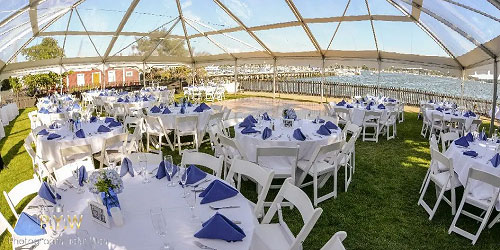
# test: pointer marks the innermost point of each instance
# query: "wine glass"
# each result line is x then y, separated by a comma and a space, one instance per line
160, 226
76, 175
183, 175
167, 160
191, 201
143, 162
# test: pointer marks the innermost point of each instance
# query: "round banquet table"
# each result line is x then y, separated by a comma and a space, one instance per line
448, 114
169, 119
9, 112
50, 149
283, 137
358, 112
462, 163
137, 232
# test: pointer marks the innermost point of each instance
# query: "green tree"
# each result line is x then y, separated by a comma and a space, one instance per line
48, 49
166, 47
41, 83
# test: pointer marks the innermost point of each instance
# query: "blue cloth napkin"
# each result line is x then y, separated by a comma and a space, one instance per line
53, 136
483, 136
331, 125
28, 225
495, 160
222, 228
145, 99
43, 132
469, 137
45, 193
120, 99
82, 175
249, 130
155, 109
204, 106
183, 110
470, 153
439, 109
250, 118
189, 104
341, 103
349, 106
76, 106
216, 191
43, 111
266, 117
323, 130
126, 100
176, 104
114, 124
298, 135
198, 109
103, 129
381, 106
462, 141
93, 119
391, 100
162, 170
318, 120
109, 119
194, 175
369, 107
110, 200
126, 167
58, 110
80, 133
266, 133
246, 124
166, 111
53, 126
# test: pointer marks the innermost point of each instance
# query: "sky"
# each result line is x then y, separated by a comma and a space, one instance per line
205, 15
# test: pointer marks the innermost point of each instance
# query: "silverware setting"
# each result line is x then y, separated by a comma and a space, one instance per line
199, 183
202, 246
224, 207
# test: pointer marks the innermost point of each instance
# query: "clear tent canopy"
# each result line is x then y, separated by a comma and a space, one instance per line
450, 35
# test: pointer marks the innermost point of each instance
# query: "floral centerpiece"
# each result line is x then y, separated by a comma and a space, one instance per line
107, 183
289, 114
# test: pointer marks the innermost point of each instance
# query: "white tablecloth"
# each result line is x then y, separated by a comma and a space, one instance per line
169, 119
463, 163
8, 113
50, 149
447, 115
136, 200
357, 112
283, 137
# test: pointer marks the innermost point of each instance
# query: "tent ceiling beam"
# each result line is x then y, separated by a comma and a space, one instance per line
120, 27
373, 30
237, 20
19, 12
183, 22
85, 28
67, 28
415, 12
495, 3
33, 13
472, 9
297, 14
338, 25
101, 33
426, 30
453, 27
210, 39
161, 40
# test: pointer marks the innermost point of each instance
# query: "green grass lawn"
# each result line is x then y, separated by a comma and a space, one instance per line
379, 211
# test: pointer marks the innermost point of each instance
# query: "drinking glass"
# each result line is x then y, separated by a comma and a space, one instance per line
169, 166
191, 201
183, 177
143, 162
160, 226
76, 175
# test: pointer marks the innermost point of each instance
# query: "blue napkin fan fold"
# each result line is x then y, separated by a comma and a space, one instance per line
298, 135
246, 124
222, 228
331, 125
266, 133
216, 191
495, 160
93, 119
114, 124
462, 141
155, 109
103, 129
80, 133
471, 153
53, 136
166, 111
43, 132
162, 171
194, 175
323, 130
109, 119
250, 118
469, 137
126, 167
82, 175
47, 194
249, 130
28, 225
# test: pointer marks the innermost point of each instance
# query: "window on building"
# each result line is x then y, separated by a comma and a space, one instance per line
80, 79
129, 73
111, 76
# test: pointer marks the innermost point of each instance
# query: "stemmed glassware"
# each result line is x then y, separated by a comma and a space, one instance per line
143, 162
183, 177
169, 166
76, 175
191, 201
160, 226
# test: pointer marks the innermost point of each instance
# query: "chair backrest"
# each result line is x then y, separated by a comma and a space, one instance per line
262, 176
75, 152
227, 112
116, 140
351, 128
436, 117
153, 123
38, 129
439, 158
229, 147
447, 138
433, 142
301, 201
5, 225
479, 175
335, 243
372, 115
186, 123
328, 109
291, 153
19, 192
343, 113
202, 159
323, 152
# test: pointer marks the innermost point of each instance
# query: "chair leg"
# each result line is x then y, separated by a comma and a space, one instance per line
494, 221
425, 180
315, 189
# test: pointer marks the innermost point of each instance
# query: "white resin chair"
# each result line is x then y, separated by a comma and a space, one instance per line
335, 243
202, 159
113, 150
443, 180
433, 144
343, 114
438, 124
447, 138
75, 153
484, 204
400, 107
426, 123
186, 126
134, 143
321, 170
154, 127
231, 151
269, 235
371, 120
19, 192
261, 176
390, 121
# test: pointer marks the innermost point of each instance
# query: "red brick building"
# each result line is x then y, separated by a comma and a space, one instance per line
95, 77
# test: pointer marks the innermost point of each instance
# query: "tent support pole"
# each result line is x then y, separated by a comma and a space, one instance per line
462, 86
378, 77
144, 74
235, 76
495, 83
274, 78
322, 78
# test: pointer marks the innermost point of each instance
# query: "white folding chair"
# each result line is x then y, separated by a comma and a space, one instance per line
202, 159
426, 123
443, 180
335, 243
261, 176
348, 161
390, 121
154, 127
113, 149
19, 192
228, 123
134, 143
186, 126
487, 205
438, 124
269, 235
371, 120
321, 169
446, 139
343, 114
400, 107
76, 153
231, 151
433, 144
